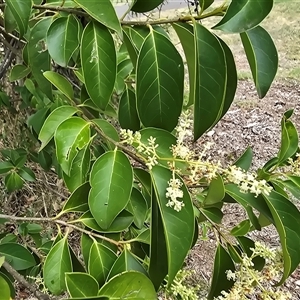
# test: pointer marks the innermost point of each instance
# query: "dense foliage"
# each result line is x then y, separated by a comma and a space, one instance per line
114, 118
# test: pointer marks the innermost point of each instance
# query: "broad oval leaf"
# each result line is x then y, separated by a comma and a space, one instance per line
58, 116
103, 12
5, 289
210, 80
70, 137
243, 15
62, 39
216, 191
81, 285
129, 286
159, 82
111, 180
5, 166
262, 57
17, 256
21, 10
57, 263
99, 62
141, 6
241, 229
178, 225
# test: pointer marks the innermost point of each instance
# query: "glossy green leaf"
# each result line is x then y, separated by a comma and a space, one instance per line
243, 15
222, 264
287, 222
212, 213
141, 6
61, 83
262, 57
10, 23
138, 207
71, 136
19, 72
126, 262
127, 114
13, 182
79, 169
124, 68
62, 39
178, 225
5, 289
96, 10
21, 10
81, 285
57, 263
241, 229
17, 256
5, 166
216, 191
58, 116
129, 286
86, 243
10, 282
210, 80
159, 81
293, 185
100, 262
78, 201
26, 174
245, 160
111, 180
99, 62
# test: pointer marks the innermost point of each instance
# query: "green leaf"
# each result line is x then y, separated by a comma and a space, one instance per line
5, 166
5, 289
61, 83
123, 70
129, 286
204, 4
126, 262
17, 256
78, 201
222, 264
21, 10
45, 160
141, 6
10, 23
13, 182
7, 277
243, 15
262, 57
111, 179
99, 62
287, 221
26, 174
2, 260
241, 229
58, 116
293, 185
62, 39
178, 225
81, 285
100, 261
57, 263
216, 191
86, 243
244, 162
213, 213
159, 81
71, 136
18, 72
210, 80
96, 10
128, 116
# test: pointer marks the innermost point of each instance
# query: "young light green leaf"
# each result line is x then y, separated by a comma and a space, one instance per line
243, 15
58, 116
19, 72
99, 62
70, 137
111, 178
17, 256
262, 57
62, 39
5, 289
131, 285
103, 12
159, 82
222, 264
61, 83
21, 10
81, 285
2, 260
57, 263
178, 225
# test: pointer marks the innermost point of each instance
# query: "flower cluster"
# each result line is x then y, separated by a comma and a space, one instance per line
174, 192
295, 164
248, 281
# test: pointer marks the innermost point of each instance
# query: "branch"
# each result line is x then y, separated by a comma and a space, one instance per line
23, 281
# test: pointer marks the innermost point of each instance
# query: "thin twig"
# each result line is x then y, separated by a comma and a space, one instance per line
20, 278
2, 30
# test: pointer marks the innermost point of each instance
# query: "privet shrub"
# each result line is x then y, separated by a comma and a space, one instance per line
108, 104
